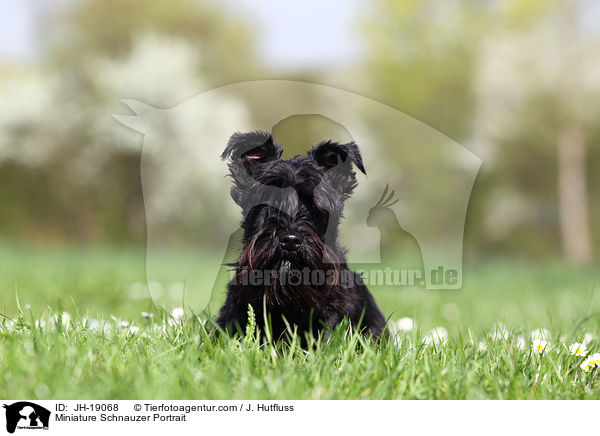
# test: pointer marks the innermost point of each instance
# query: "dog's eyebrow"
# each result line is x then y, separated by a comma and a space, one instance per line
284, 199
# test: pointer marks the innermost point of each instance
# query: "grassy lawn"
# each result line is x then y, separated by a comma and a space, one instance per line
72, 327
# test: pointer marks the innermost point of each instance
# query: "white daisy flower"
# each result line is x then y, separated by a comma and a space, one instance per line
587, 338
499, 332
63, 318
92, 324
438, 335
578, 349
405, 324
66, 318
539, 345
521, 345
100, 326
595, 358
541, 334
587, 365
177, 316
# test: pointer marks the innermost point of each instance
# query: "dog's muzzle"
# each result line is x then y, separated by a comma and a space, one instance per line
290, 241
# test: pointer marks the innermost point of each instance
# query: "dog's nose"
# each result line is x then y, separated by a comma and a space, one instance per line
290, 241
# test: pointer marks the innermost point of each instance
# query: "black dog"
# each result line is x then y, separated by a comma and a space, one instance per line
291, 263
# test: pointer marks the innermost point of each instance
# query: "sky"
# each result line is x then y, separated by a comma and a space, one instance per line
17, 30
296, 35
292, 35
306, 34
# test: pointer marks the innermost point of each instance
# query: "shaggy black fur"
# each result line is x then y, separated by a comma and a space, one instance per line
290, 262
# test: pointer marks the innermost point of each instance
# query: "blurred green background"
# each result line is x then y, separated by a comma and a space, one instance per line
517, 82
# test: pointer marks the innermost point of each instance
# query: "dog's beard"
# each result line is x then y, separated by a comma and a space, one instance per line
280, 270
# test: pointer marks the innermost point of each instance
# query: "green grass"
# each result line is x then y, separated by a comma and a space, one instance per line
47, 355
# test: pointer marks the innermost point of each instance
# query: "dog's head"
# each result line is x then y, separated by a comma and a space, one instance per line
291, 208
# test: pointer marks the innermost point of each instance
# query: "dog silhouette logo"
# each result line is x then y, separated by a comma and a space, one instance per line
432, 176
26, 415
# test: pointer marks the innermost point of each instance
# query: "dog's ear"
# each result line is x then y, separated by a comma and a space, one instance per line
329, 154
336, 160
252, 148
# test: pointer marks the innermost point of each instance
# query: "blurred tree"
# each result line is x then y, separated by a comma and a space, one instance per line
67, 169
222, 38
421, 55
510, 81
537, 89
572, 183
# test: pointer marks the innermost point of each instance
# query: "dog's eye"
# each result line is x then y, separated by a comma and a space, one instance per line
304, 211
278, 182
273, 220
